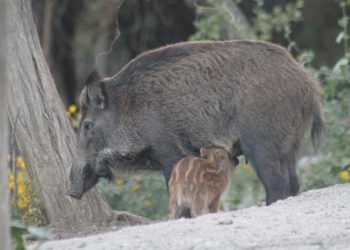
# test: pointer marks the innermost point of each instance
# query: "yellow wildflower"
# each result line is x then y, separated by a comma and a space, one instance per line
245, 166
11, 184
345, 175
22, 202
8, 157
11, 180
20, 177
135, 187
20, 188
119, 181
20, 162
72, 109
147, 203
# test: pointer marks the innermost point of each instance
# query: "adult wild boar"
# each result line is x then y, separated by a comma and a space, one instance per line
243, 96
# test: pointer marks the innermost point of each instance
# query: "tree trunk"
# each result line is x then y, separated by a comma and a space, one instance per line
4, 209
43, 133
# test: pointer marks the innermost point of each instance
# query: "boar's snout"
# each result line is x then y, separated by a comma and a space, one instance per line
72, 193
82, 179
76, 184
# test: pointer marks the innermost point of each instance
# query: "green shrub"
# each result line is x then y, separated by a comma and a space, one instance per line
145, 195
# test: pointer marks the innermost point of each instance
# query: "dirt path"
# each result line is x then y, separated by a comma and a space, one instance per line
318, 219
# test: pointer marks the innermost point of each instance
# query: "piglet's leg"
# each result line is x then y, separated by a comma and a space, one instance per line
214, 205
173, 204
197, 209
174, 212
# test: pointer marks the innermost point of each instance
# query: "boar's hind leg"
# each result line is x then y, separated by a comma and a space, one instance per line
290, 162
274, 175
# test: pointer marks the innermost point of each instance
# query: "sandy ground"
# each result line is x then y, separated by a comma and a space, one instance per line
317, 219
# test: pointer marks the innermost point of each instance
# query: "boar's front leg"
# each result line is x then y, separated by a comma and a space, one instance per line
168, 163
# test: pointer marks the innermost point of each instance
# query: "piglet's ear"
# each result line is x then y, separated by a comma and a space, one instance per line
203, 152
95, 91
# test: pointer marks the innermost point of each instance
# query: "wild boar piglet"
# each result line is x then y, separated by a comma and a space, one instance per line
197, 183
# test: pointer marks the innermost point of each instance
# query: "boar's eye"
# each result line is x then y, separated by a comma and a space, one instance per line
87, 125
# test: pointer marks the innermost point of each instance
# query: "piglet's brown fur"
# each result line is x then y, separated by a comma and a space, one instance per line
197, 183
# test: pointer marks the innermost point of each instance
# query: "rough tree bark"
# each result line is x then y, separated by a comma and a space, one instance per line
4, 209
44, 135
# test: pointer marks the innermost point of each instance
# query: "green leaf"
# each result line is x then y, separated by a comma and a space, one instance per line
335, 170
340, 36
342, 62
17, 231
343, 22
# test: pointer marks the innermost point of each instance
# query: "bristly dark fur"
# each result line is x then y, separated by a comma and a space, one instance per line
247, 97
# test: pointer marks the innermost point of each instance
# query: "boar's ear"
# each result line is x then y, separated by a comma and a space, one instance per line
95, 91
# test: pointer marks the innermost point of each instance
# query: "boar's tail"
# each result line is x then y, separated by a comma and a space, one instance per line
318, 124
